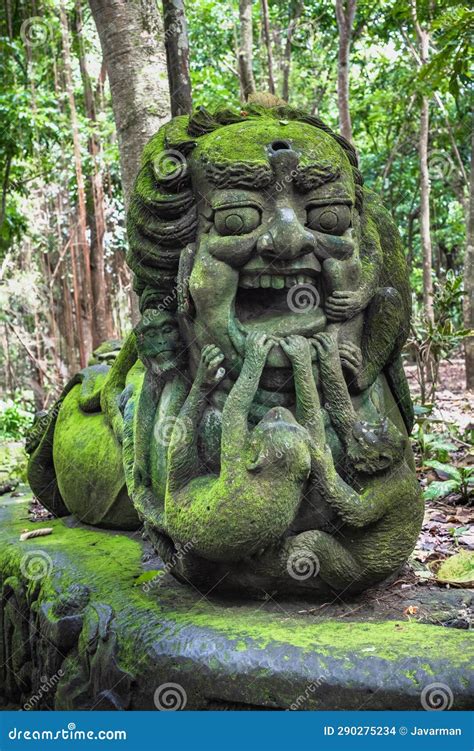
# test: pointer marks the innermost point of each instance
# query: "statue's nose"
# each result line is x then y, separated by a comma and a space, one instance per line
285, 237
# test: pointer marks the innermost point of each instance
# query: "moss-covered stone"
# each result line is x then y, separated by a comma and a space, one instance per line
252, 238
115, 642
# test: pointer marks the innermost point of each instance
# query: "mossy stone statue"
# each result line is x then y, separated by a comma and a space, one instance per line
257, 419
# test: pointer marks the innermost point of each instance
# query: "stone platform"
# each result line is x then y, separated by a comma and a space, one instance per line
91, 620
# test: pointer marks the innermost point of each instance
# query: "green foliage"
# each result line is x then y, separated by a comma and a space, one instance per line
14, 419
453, 34
433, 341
457, 480
36, 150
13, 463
430, 444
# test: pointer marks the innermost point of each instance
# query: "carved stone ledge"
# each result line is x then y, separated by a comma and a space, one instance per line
104, 630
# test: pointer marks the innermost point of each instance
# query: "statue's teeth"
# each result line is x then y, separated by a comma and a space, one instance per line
248, 282
278, 282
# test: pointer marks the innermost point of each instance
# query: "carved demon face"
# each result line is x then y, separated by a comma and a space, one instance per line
275, 201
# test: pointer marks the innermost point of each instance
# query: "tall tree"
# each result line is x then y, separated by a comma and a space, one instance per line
345, 14
245, 51
422, 35
81, 234
102, 329
268, 46
469, 277
132, 40
177, 56
296, 9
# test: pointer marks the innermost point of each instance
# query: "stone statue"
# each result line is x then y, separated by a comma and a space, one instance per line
256, 420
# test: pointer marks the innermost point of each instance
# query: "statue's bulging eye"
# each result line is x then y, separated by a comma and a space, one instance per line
239, 220
334, 220
233, 223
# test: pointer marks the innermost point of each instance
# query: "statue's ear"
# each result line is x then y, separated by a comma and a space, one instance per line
256, 460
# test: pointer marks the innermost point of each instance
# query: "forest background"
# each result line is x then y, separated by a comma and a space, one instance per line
85, 84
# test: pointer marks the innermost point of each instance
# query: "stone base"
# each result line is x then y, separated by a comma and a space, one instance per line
91, 620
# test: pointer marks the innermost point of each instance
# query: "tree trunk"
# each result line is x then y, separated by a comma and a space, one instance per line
102, 329
245, 51
77, 303
268, 45
345, 13
469, 278
423, 145
83, 243
296, 10
177, 56
132, 41
425, 235
68, 320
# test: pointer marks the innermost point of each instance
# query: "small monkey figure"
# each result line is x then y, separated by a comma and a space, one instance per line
254, 499
382, 522
157, 340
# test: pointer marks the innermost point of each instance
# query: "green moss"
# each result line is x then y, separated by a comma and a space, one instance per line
110, 564
88, 464
248, 142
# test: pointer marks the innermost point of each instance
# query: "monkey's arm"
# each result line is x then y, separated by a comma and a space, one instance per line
183, 458
237, 406
115, 384
150, 393
336, 394
354, 281
356, 510
308, 407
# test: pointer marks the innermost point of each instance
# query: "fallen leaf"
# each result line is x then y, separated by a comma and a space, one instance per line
457, 570
467, 540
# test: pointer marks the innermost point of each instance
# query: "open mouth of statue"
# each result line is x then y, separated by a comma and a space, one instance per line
279, 299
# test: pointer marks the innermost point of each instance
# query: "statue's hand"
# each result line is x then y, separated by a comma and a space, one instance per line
209, 367
327, 350
351, 357
342, 305
297, 349
257, 347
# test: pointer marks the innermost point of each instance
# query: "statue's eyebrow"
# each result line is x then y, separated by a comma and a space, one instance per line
239, 174
315, 175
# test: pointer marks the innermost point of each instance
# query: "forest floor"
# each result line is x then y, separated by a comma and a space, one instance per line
448, 524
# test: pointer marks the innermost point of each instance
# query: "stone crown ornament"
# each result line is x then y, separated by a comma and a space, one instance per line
257, 419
